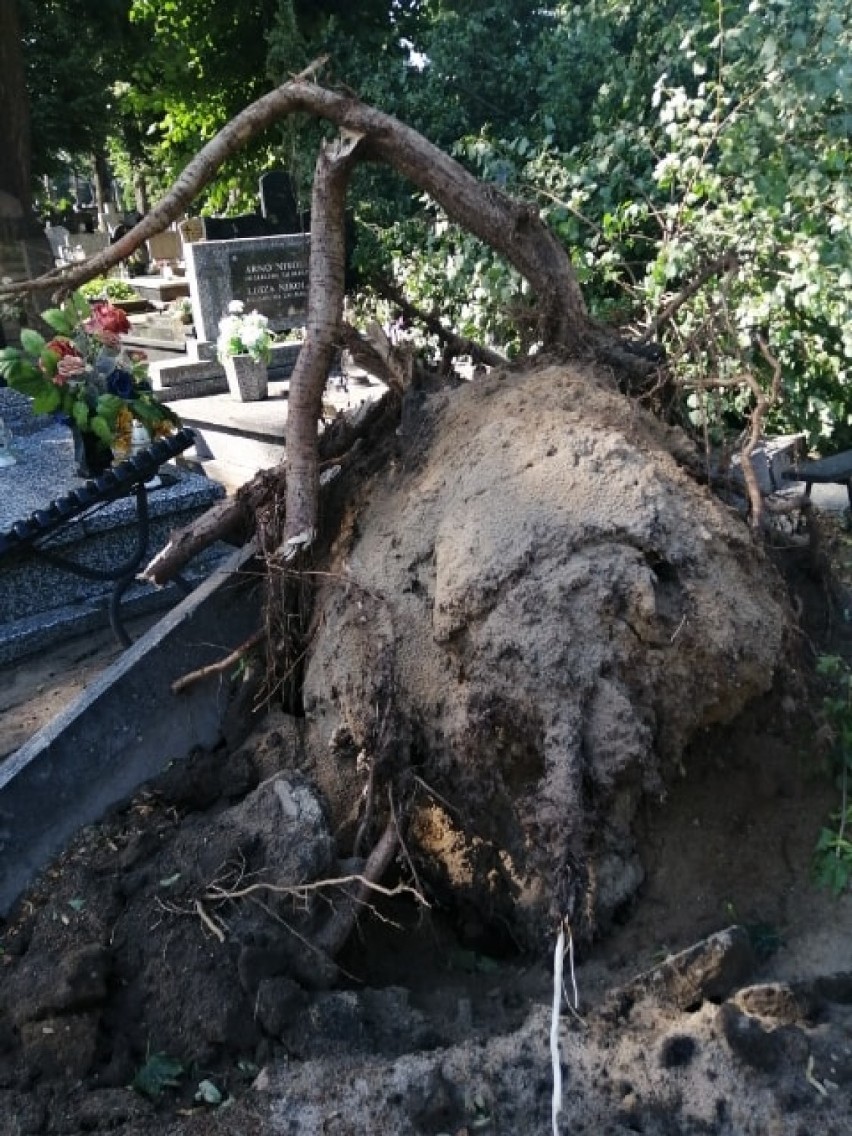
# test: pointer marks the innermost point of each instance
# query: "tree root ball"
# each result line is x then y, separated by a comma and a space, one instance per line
532, 613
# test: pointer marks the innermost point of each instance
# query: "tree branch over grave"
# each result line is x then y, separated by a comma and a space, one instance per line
514, 229
511, 227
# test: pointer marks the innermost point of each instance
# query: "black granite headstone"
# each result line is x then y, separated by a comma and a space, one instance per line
232, 228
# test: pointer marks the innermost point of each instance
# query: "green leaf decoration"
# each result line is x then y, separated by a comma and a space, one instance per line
48, 361
60, 321
108, 407
31, 341
23, 376
99, 425
80, 414
47, 401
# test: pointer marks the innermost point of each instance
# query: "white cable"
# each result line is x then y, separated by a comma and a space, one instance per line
558, 957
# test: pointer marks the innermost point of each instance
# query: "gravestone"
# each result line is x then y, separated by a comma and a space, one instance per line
235, 228
165, 246
278, 203
192, 230
59, 240
269, 274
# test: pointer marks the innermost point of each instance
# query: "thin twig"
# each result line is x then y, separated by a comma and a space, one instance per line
403, 846
229, 661
721, 266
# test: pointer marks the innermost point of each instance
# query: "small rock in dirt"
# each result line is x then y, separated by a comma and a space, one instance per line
280, 828
784, 1004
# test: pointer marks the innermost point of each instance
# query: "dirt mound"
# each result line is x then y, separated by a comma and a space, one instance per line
533, 625
535, 610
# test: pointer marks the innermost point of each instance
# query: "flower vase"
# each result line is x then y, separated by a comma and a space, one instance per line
248, 379
92, 456
138, 439
129, 444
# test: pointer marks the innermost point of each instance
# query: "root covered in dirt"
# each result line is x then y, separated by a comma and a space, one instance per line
547, 609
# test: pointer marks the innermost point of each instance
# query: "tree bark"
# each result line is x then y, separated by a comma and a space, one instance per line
512, 228
15, 150
100, 170
335, 163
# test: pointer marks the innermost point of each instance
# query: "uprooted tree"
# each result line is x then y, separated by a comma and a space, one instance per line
522, 625
366, 134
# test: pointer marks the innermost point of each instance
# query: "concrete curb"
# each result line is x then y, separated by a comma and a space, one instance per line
125, 728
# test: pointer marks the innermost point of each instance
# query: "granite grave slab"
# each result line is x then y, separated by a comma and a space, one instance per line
269, 274
40, 602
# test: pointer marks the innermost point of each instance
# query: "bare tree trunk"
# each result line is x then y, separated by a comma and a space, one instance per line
140, 193
325, 312
15, 117
101, 178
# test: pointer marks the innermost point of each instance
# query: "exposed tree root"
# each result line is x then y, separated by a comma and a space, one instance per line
332, 938
234, 519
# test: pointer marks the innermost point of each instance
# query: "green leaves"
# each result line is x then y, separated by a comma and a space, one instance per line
160, 1072
19, 371
61, 321
32, 342
80, 414
47, 401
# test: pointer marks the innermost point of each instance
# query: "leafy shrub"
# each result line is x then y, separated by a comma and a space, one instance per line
109, 288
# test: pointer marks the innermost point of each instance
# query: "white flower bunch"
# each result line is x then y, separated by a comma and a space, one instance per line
244, 333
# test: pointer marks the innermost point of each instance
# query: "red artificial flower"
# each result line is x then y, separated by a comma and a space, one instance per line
68, 367
62, 346
108, 338
105, 317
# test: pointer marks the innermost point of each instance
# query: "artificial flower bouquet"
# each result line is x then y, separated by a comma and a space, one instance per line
245, 333
85, 374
